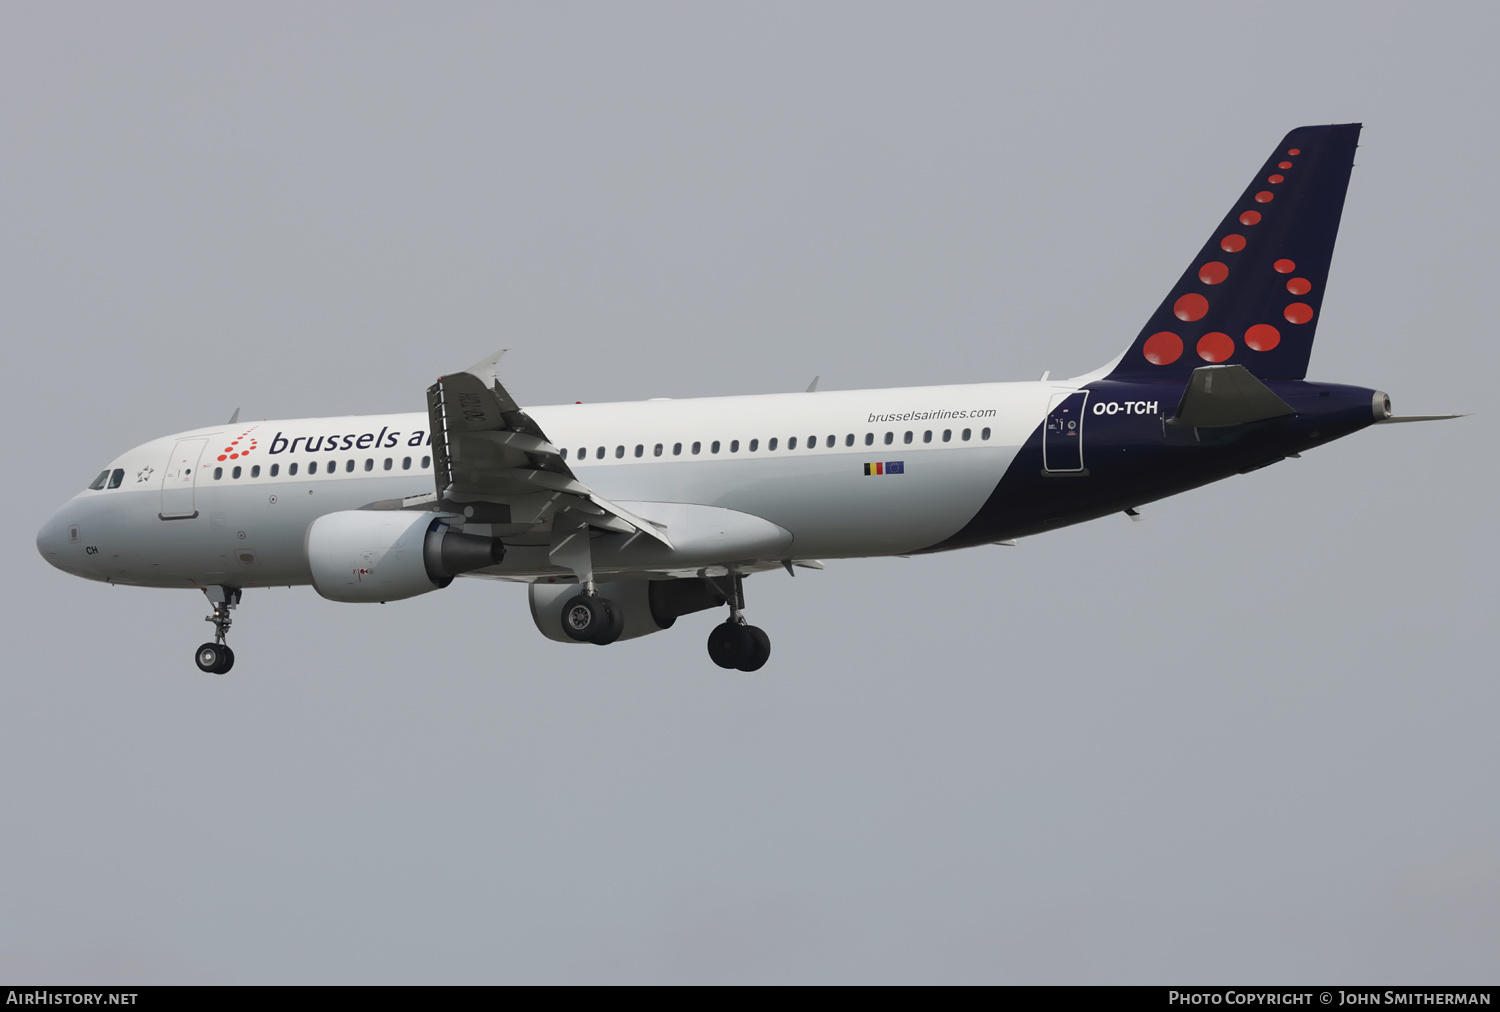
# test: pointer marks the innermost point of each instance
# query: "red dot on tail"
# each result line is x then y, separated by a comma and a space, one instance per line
1284, 266
1276, 178
1283, 165
1264, 197
1294, 152
1215, 346
222, 457
1190, 307
1298, 312
234, 456
1262, 337
1250, 218
1299, 286
1232, 243
1163, 348
1212, 273
228, 449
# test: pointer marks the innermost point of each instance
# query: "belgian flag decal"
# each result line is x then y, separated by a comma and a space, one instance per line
886, 467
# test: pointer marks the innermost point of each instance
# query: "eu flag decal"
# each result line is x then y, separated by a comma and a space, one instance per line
886, 467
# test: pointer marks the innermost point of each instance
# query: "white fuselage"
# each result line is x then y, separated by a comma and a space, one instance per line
204, 507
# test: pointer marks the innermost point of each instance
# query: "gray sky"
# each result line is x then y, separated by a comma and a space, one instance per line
1249, 739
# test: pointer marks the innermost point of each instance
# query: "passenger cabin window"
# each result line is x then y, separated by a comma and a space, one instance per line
927, 436
236, 472
869, 439
275, 470
563, 453
849, 439
791, 442
714, 446
984, 433
619, 452
734, 447
890, 437
369, 463
771, 443
697, 448
333, 466
906, 438
426, 463
98, 482
218, 473
639, 449
966, 435
388, 463
947, 435
116, 476
656, 452
676, 449
754, 445
349, 465
290, 469
406, 463
312, 468
600, 454
255, 471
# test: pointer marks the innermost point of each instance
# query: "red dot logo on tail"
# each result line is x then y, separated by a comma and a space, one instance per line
1190, 307
1215, 346
1262, 337
1163, 348
1298, 312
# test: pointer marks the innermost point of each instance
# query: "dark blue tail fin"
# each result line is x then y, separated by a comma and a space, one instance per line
1254, 293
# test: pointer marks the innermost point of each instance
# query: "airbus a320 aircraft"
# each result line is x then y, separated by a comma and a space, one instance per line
625, 517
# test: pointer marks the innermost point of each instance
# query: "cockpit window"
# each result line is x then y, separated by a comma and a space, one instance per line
116, 477
98, 482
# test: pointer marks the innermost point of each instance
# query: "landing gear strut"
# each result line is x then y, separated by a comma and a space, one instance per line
589, 618
736, 643
216, 658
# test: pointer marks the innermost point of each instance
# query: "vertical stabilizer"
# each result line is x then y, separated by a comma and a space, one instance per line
1254, 293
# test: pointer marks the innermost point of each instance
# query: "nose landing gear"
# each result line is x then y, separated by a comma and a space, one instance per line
736, 643
216, 658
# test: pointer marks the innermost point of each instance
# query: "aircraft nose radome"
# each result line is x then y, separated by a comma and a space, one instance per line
52, 539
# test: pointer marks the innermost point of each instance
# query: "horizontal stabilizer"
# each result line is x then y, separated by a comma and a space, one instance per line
1416, 418
1223, 395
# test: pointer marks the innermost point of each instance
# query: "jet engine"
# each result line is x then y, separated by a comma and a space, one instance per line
387, 555
648, 605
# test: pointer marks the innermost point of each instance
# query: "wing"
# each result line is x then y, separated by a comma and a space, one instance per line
493, 463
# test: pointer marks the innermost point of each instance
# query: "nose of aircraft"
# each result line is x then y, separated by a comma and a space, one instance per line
56, 536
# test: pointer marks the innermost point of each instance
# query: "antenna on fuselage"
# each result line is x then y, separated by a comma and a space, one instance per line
812, 387
234, 417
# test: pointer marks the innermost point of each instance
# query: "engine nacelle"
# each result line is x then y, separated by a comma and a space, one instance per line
387, 555
649, 605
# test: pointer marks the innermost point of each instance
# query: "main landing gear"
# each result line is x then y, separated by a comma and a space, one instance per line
736, 643
216, 658
589, 618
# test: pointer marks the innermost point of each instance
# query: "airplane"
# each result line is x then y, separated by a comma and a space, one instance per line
624, 517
